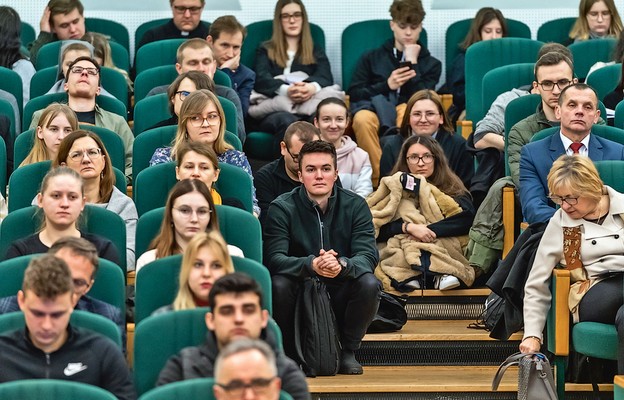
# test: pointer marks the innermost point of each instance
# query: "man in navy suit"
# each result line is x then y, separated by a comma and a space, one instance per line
577, 109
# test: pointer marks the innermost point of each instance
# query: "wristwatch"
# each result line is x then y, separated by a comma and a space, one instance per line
343, 262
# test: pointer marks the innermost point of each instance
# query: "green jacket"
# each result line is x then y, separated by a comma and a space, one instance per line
521, 134
296, 230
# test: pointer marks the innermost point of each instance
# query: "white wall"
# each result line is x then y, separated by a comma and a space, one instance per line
332, 15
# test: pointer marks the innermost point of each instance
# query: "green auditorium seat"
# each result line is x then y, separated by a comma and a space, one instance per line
52, 389
26, 221
116, 31
457, 31
557, 30
604, 80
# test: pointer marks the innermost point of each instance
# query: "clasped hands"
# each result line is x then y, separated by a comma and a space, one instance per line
326, 264
300, 92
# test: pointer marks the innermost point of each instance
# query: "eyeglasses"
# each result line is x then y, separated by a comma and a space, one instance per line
296, 16
198, 120
596, 14
237, 388
187, 212
295, 157
192, 10
182, 94
427, 115
93, 154
549, 85
559, 200
80, 283
415, 159
90, 70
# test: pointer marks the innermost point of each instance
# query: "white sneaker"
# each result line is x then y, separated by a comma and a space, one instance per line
413, 284
446, 282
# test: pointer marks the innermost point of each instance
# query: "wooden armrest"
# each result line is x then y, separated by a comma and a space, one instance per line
130, 277
465, 127
130, 343
447, 101
509, 203
619, 380
559, 314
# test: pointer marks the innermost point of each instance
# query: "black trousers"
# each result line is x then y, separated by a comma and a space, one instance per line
354, 302
604, 303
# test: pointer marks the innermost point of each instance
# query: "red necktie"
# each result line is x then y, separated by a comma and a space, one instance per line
576, 147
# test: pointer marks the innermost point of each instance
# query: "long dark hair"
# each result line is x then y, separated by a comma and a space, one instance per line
442, 177
10, 40
484, 16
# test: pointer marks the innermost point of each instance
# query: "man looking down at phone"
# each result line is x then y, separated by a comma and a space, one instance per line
386, 77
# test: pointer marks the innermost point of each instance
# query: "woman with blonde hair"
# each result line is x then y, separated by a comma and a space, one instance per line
56, 122
425, 116
205, 260
291, 66
597, 19
84, 152
202, 119
586, 237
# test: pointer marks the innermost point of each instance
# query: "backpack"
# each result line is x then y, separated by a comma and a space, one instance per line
391, 314
316, 332
492, 313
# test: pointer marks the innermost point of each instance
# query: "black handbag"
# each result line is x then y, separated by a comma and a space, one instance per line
391, 314
535, 378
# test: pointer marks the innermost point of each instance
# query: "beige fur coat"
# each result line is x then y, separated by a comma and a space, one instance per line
389, 203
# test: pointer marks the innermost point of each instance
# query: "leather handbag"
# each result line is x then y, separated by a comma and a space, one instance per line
535, 378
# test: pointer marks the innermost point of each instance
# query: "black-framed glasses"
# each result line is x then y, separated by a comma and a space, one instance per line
182, 94
89, 70
559, 200
93, 154
237, 388
192, 10
296, 16
295, 157
80, 284
415, 159
550, 85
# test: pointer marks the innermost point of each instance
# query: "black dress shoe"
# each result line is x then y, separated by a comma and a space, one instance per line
348, 364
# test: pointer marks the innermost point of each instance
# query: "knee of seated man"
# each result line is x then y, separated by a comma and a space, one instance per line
367, 284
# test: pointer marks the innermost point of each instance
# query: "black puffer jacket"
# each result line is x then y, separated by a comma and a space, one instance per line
198, 362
